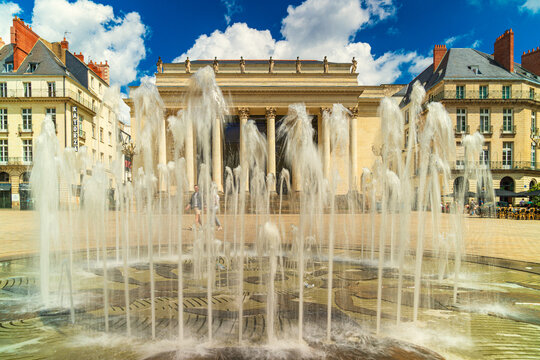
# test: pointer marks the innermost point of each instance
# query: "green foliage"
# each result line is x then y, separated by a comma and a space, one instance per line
535, 199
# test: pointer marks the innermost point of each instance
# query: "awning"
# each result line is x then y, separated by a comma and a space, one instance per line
505, 193
5, 187
528, 193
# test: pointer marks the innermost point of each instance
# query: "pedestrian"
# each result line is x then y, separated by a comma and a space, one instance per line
216, 208
196, 204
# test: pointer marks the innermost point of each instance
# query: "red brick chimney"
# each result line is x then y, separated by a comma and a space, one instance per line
64, 43
438, 53
23, 40
79, 56
104, 68
503, 50
530, 60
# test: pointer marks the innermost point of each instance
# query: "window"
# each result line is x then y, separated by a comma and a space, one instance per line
93, 105
94, 155
101, 134
52, 113
507, 155
506, 91
101, 157
100, 89
27, 151
8, 67
484, 121
461, 120
533, 123
407, 117
533, 156
110, 138
110, 160
531, 93
483, 94
91, 82
406, 138
484, 156
508, 121
32, 67
27, 119
3, 89
79, 98
460, 92
27, 89
93, 131
3, 120
3, 150
51, 89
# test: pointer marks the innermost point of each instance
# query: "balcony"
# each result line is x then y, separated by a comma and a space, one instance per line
486, 130
497, 165
491, 95
461, 130
82, 134
15, 161
23, 131
85, 100
4, 130
508, 131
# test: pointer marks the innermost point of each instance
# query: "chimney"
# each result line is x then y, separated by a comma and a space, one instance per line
530, 60
104, 68
65, 44
79, 56
23, 40
503, 50
438, 53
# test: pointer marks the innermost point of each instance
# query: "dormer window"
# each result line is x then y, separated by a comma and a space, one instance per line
475, 69
32, 67
8, 67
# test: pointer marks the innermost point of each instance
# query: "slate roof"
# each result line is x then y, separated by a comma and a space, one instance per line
48, 62
460, 63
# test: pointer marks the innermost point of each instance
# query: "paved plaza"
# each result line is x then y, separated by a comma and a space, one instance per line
499, 238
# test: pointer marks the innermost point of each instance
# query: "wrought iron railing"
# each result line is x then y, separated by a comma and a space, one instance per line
491, 95
15, 161
497, 165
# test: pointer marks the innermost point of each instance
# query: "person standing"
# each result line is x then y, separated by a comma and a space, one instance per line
196, 204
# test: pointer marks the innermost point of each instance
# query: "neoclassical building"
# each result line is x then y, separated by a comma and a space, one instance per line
262, 90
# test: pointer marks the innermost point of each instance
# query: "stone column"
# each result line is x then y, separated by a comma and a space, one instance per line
353, 149
325, 143
162, 154
189, 155
271, 141
243, 114
217, 173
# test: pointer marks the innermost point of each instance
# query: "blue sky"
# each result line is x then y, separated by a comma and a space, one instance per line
392, 39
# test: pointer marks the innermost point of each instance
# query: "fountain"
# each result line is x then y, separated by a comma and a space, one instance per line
268, 286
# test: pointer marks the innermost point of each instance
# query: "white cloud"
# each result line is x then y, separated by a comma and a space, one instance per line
7, 11
96, 31
420, 63
312, 30
531, 5
476, 44
232, 8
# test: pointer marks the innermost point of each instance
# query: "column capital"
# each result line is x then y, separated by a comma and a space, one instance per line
324, 108
270, 112
354, 111
243, 112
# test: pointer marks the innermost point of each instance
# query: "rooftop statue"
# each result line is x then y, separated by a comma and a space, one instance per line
188, 65
159, 65
271, 65
215, 65
298, 65
325, 65
353, 67
242, 65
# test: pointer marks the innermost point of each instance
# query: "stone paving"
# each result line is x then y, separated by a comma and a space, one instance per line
499, 238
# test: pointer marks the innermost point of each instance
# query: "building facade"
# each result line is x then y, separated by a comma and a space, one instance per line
38, 78
262, 90
492, 95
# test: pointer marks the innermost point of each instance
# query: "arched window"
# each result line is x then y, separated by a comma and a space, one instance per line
507, 183
4, 177
25, 177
